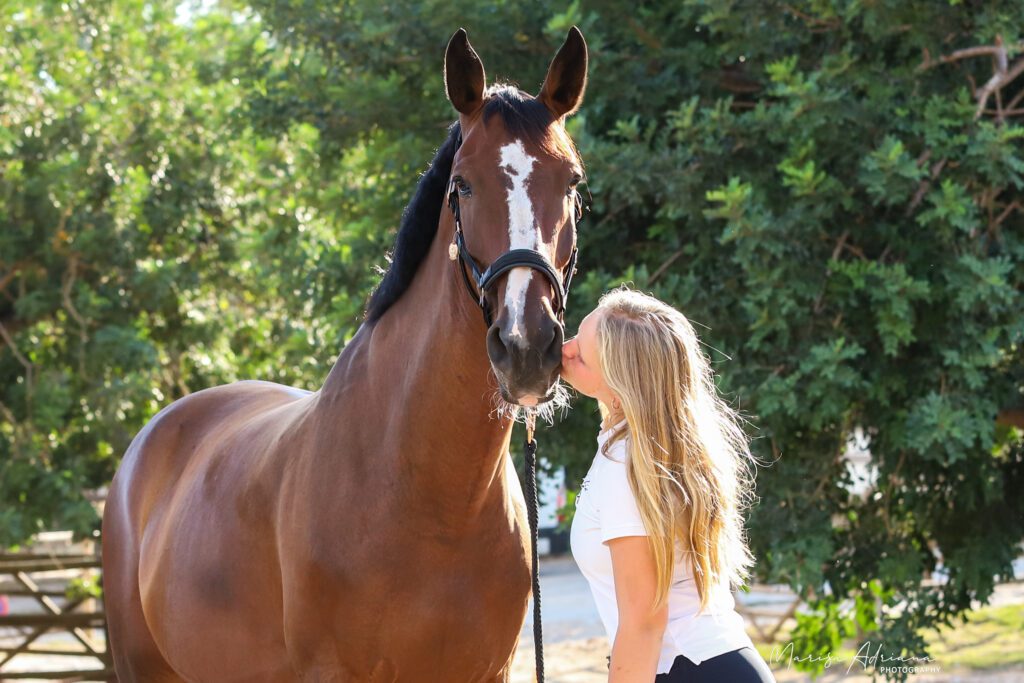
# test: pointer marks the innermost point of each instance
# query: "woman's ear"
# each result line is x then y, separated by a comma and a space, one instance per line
562, 92
464, 79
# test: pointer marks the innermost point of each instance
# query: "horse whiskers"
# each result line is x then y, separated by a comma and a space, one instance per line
502, 409
559, 402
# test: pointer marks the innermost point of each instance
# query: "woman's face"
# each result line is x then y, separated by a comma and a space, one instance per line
579, 361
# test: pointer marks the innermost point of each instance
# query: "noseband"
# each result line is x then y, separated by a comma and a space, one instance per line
516, 258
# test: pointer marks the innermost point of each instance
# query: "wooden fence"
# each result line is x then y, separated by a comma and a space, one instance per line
769, 618
44, 580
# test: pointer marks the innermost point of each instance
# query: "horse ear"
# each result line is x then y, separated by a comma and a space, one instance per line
464, 78
562, 92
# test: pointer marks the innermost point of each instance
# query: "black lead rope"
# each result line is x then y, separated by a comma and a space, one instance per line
530, 449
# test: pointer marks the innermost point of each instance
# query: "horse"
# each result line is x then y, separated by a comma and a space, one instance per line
374, 529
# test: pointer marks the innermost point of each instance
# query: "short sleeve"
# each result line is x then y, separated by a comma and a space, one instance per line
619, 513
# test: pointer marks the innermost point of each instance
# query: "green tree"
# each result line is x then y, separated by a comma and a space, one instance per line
139, 215
830, 190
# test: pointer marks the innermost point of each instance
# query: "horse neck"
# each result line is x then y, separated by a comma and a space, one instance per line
427, 389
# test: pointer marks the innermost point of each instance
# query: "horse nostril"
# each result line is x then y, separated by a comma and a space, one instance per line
497, 349
525, 361
553, 353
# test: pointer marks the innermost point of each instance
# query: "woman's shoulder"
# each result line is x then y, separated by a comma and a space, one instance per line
617, 451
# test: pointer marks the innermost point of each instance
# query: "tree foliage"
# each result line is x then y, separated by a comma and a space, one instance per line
830, 190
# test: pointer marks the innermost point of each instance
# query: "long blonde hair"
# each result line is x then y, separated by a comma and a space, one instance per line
688, 455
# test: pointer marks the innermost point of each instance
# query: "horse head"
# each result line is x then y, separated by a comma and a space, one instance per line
513, 191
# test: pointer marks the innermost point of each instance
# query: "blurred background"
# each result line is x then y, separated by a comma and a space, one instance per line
193, 193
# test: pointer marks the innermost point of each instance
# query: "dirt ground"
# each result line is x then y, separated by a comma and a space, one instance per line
583, 661
575, 650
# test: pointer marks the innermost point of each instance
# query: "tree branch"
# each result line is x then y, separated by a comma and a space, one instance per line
1016, 99
7, 414
14, 349
840, 243
1011, 417
1015, 204
1002, 74
828, 24
928, 62
856, 251
998, 80
1006, 112
24, 361
664, 266
6, 278
65, 292
925, 185
643, 35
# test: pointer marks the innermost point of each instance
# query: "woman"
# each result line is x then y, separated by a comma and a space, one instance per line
658, 528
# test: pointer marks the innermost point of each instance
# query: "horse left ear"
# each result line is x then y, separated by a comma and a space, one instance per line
562, 92
464, 78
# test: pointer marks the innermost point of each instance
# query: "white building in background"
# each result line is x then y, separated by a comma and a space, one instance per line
863, 471
552, 495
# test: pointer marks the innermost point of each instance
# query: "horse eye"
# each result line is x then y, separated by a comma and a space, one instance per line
573, 182
462, 186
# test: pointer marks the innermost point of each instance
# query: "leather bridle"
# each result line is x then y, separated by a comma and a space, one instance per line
516, 258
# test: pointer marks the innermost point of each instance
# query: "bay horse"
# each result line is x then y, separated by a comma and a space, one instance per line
375, 529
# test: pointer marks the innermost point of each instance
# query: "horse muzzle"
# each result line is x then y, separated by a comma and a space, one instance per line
526, 365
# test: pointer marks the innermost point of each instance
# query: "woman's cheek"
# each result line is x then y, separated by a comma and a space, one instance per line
568, 371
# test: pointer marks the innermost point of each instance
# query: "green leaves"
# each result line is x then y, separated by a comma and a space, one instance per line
804, 179
890, 293
787, 79
951, 206
113, 208
819, 633
733, 200
189, 203
889, 174
982, 284
947, 428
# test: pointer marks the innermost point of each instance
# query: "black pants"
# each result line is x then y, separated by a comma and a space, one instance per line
744, 665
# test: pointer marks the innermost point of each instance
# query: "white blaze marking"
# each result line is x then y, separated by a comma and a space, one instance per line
522, 232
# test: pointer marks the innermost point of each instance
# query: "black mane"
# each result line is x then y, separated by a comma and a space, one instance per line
523, 116
417, 229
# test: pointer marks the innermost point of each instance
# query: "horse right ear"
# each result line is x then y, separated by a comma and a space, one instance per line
566, 80
464, 78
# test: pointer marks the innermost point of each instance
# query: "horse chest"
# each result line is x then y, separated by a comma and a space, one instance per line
455, 607
465, 586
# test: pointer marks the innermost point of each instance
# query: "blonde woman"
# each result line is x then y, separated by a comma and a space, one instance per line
658, 527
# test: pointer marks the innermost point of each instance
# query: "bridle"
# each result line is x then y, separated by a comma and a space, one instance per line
516, 258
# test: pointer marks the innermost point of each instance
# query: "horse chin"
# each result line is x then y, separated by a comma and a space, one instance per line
517, 408
524, 397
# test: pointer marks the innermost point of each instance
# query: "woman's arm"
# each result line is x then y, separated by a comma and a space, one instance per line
641, 629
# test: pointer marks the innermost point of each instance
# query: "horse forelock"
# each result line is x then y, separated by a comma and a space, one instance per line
527, 118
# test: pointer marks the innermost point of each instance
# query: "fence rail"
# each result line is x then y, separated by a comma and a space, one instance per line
45, 579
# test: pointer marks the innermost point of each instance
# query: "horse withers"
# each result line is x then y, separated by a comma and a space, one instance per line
373, 530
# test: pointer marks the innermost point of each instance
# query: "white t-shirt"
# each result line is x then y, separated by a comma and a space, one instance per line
606, 509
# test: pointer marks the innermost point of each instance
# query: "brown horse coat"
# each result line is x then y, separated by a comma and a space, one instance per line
373, 530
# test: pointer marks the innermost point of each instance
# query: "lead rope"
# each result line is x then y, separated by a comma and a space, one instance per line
531, 512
